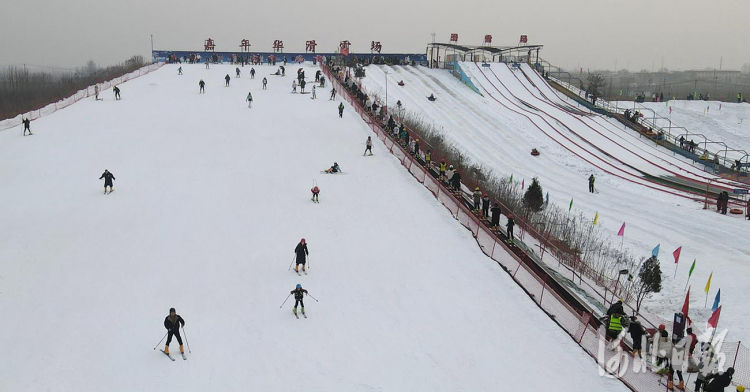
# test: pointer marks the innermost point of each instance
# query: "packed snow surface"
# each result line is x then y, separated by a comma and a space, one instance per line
518, 111
210, 199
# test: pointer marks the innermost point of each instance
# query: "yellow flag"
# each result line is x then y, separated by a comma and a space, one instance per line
708, 284
596, 218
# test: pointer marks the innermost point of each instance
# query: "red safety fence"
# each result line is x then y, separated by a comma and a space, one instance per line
537, 282
79, 95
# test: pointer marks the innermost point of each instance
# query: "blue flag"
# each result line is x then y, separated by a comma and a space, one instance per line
716, 301
655, 252
546, 201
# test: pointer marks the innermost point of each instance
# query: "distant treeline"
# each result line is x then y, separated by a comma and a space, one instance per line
22, 91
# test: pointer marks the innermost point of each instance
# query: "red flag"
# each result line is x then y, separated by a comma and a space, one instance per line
622, 230
714, 320
686, 305
676, 255
523, 181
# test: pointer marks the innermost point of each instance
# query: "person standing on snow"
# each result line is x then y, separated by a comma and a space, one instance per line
26, 126
636, 334
477, 196
294, 86
299, 294
677, 359
341, 109
315, 192
117, 92
495, 220
179, 71
202, 86
237, 71
301, 251
591, 183
509, 227
333, 94
313, 93
108, 177
252, 73
226, 80
368, 145
249, 100
485, 205
265, 83
172, 323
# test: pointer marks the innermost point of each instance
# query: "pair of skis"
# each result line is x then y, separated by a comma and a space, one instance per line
295, 315
107, 193
171, 357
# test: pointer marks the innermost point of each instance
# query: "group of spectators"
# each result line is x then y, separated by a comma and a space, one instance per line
673, 356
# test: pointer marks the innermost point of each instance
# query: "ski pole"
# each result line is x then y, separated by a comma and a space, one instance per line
162, 338
186, 339
287, 297
316, 300
290, 264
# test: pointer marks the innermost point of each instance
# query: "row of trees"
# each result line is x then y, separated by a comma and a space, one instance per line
22, 90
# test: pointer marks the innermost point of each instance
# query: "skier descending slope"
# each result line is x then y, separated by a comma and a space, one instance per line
108, 177
301, 251
341, 109
226, 80
299, 294
249, 100
368, 146
172, 323
315, 191
265, 83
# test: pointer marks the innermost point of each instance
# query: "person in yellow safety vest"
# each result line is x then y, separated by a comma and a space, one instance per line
442, 170
615, 325
427, 158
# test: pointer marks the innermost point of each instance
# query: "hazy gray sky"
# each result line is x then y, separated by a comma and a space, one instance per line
635, 34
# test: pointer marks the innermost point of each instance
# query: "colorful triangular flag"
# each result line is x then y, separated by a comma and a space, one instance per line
596, 218
622, 230
523, 183
716, 300
676, 255
686, 304
571, 204
655, 252
546, 201
713, 321
692, 267
708, 284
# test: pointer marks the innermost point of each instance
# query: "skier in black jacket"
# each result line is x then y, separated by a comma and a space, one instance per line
108, 177
226, 80
26, 126
495, 220
172, 323
301, 251
509, 227
636, 333
299, 294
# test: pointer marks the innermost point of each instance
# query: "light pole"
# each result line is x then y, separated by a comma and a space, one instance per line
152, 47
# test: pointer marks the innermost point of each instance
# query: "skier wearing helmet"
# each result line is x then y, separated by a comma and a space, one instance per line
299, 294
301, 251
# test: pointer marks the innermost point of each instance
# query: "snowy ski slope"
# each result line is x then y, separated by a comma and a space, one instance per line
210, 199
499, 130
719, 121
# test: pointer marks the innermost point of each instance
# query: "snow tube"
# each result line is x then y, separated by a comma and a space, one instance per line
534, 152
736, 211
